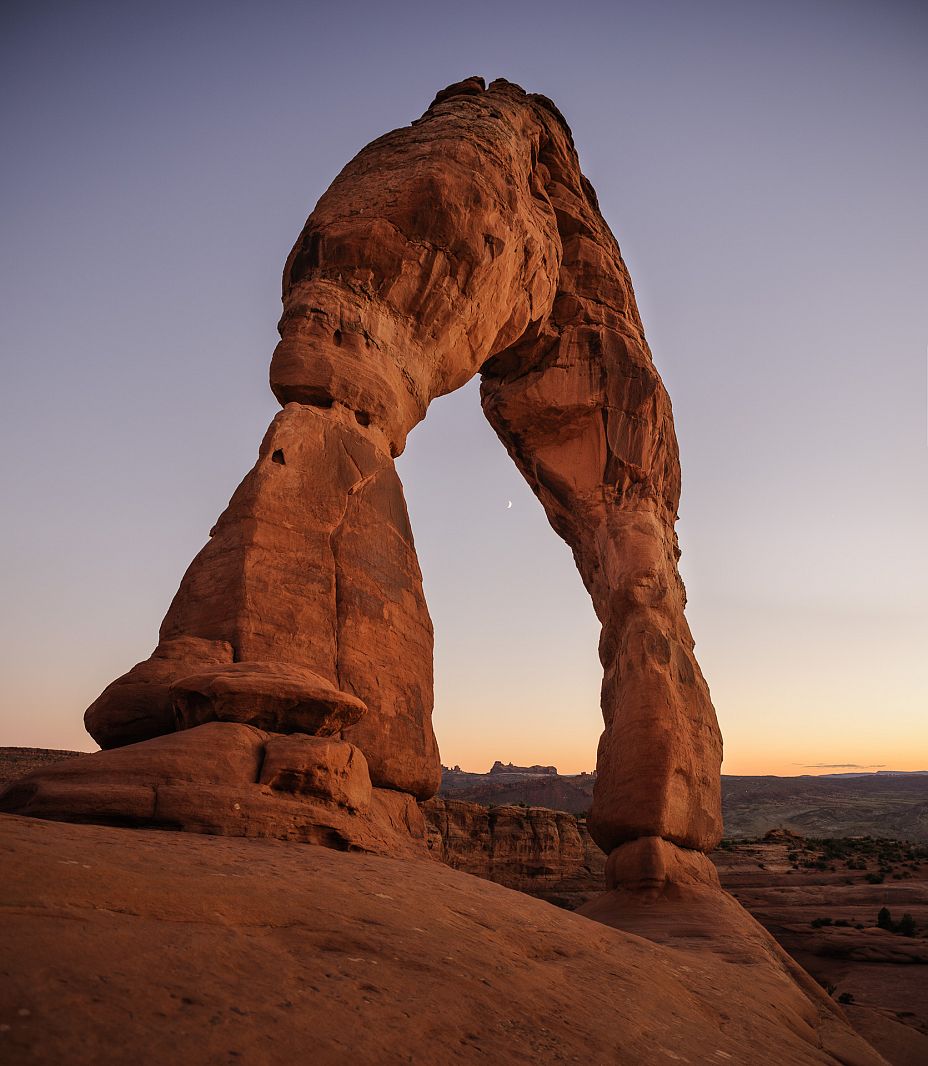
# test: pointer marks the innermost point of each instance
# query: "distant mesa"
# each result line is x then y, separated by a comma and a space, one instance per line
879, 773
510, 768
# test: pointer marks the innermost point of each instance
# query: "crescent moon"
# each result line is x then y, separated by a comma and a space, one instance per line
508, 505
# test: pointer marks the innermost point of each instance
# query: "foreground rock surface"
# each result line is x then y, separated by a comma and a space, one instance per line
124, 945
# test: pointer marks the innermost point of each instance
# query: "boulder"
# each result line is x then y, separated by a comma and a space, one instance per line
229, 779
138, 705
266, 695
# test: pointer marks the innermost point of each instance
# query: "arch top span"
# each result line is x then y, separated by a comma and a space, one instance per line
466, 243
436, 248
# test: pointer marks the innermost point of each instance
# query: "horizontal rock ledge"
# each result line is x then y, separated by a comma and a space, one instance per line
266, 695
229, 779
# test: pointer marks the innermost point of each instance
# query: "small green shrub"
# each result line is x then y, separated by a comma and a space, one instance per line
906, 925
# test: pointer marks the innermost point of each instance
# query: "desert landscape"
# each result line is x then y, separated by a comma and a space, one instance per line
874, 804
266, 858
151, 946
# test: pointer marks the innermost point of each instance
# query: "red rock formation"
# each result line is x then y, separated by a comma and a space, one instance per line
543, 852
508, 768
266, 695
230, 780
468, 242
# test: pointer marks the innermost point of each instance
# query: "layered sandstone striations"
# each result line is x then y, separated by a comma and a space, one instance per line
312, 565
230, 780
546, 853
466, 243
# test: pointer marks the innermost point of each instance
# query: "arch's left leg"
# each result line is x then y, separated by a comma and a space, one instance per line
432, 250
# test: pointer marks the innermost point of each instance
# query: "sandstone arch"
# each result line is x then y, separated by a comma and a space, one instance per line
466, 243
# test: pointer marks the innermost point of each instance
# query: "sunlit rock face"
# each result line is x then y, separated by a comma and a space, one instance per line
466, 243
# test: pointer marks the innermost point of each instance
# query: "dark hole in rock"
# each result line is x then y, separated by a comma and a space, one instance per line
313, 396
329, 838
278, 457
307, 258
337, 336
363, 418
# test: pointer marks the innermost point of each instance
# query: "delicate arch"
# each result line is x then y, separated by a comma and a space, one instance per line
466, 243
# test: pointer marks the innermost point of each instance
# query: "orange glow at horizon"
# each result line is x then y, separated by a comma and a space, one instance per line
758, 763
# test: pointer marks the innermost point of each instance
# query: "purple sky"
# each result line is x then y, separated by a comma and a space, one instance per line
763, 167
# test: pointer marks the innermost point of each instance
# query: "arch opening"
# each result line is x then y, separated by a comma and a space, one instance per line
517, 675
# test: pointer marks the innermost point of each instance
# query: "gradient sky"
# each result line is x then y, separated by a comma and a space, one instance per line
763, 167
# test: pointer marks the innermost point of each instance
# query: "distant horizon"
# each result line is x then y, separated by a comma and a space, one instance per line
888, 772
446, 765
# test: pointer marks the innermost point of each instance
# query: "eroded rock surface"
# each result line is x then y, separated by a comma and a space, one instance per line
127, 946
546, 853
138, 705
267, 695
230, 780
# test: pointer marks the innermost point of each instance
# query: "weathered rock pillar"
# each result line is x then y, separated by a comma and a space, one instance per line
466, 243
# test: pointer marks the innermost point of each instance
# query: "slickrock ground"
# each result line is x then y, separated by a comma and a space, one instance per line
150, 947
787, 883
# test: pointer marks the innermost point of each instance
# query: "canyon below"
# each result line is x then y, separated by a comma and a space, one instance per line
878, 804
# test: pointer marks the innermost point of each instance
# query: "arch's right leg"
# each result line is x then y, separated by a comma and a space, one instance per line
581, 408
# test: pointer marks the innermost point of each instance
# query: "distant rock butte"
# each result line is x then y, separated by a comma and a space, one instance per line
508, 768
466, 243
